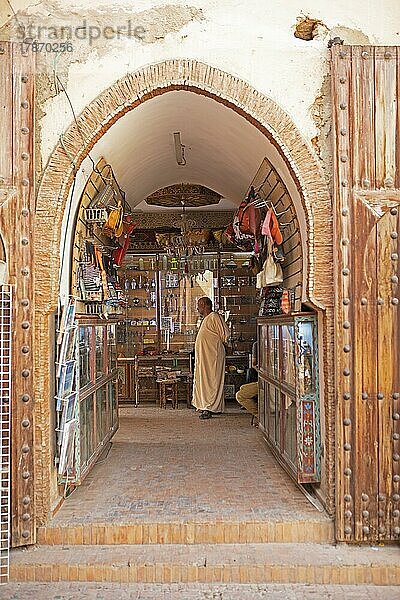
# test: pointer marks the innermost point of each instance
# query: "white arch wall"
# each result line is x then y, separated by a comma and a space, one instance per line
252, 39
223, 152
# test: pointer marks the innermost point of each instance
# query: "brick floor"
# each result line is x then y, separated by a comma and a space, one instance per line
110, 591
167, 473
168, 465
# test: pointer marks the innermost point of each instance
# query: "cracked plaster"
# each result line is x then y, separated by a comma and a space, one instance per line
47, 18
321, 112
158, 22
252, 41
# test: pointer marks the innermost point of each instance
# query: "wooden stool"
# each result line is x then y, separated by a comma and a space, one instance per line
168, 390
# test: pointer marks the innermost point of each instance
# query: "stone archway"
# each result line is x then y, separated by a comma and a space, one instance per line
94, 121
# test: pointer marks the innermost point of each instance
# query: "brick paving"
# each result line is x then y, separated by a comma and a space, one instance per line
168, 465
110, 591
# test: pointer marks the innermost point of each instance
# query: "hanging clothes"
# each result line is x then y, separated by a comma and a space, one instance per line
270, 227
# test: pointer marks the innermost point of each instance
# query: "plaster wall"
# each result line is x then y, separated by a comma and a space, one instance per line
251, 39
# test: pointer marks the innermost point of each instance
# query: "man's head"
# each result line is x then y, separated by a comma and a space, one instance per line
204, 306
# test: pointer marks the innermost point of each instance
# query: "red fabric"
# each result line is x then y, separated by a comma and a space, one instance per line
124, 240
285, 302
229, 233
127, 228
249, 219
119, 253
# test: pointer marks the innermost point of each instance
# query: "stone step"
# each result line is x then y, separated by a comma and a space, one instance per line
195, 591
219, 532
220, 563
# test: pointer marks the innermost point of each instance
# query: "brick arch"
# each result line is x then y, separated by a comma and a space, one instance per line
142, 85
123, 96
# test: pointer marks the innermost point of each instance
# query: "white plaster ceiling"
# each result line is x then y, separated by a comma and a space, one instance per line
223, 151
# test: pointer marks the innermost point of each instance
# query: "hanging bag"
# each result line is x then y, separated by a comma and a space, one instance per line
271, 273
270, 227
114, 224
249, 216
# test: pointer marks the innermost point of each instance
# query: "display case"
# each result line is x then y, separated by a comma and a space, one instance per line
98, 415
182, 283
138, 333
237, 298
95, 414
289, 391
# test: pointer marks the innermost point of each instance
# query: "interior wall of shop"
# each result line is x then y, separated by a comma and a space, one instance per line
269, 119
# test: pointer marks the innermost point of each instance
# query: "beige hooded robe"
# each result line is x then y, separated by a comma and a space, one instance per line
209, 370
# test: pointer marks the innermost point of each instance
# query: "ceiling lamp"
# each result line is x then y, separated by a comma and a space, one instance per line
187, 194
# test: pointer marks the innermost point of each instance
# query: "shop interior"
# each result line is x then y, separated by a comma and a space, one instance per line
126, 333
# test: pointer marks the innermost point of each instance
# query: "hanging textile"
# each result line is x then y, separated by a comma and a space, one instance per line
270, 228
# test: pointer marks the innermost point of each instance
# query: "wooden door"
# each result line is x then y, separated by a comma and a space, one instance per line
16, 227
366, 128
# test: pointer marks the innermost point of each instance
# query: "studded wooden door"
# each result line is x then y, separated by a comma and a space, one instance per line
366, 120
17, 211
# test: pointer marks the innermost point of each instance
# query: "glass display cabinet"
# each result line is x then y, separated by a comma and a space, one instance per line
138, 332
289, 412
96, 411
238, 298
182, 283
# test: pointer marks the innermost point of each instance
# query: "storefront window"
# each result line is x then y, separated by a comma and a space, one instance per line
112, 402
273, 351
274, 413
263, 348
289, 393
102, 416
87, 428
112, 349
98, 400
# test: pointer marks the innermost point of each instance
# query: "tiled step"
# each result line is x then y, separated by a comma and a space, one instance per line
221, 563
223, 532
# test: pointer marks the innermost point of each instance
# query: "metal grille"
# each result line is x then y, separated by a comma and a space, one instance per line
5, 429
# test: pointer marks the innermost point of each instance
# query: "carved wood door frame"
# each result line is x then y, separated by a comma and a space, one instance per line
17, 210
366, 127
